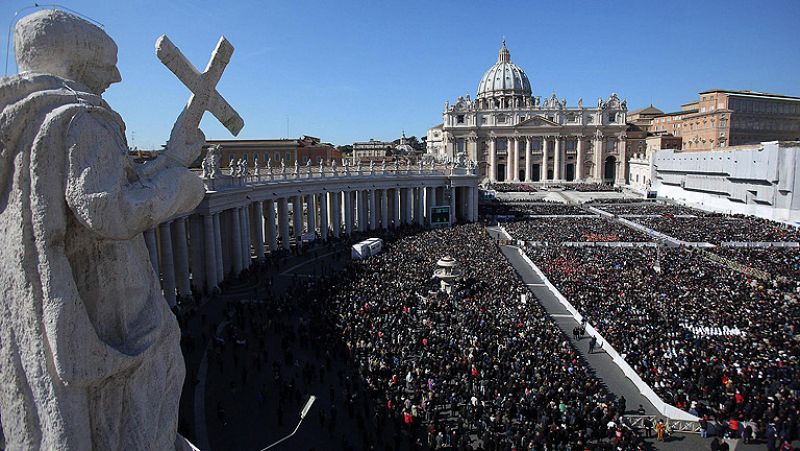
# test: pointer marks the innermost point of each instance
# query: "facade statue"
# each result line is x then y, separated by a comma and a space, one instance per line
383, 166
232, 167
206, 170
283, 166
89, 349
296, 168
256, 167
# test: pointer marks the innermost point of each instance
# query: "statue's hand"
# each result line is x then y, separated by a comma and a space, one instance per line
185, 147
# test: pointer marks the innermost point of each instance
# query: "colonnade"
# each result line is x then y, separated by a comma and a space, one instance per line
232, 229
548, 161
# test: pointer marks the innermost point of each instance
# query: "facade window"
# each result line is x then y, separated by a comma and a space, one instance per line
521, 118
501, 119
483, 120
501, 145
571, 143
288, 156
460, 119
460, 145
610, 145
536, 144
612, 117
244, 157
277, 156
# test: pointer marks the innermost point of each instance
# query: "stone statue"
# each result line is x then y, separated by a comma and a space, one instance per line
333, 166
383, 165
90, 352
358, 167
212, 158
268, 166
296, 168
308, 166
580, 102
283, 166
205, 168
232, 167
256, 167
243, 172
371, 167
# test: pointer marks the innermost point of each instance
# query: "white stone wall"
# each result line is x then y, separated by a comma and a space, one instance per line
761, 180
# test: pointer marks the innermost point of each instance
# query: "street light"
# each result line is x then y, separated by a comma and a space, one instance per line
303, 414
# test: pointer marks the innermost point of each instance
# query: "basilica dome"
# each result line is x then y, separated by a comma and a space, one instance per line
504, 78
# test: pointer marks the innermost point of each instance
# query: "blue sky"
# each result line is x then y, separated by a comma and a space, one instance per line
348, 71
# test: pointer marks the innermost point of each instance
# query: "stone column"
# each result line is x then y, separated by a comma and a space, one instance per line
373, 217
545, 157
492, 160
348, 213
167, 263
621, 166
218, 249
475, 203
297, 207
245, 224
258, 231
336, 213
420, 207
509, 160
409, 219
598, 157
283, 221
453, 191
396, 196
272, 233
579, 160
152, 249
210, 259
312, 213
430, 193
384, 209
197, 267
181, 249
236, 235
557, 160
527, 158
515, 166
361, 202
323, 216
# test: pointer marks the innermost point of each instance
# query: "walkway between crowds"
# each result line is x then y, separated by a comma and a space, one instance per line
601, 364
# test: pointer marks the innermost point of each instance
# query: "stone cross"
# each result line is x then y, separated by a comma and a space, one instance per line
203, 86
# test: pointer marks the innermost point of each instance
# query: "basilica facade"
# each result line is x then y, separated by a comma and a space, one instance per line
518, 137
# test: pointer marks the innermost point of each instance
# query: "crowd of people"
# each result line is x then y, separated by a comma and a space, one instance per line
706, 338
716, 228
648, 208
589, 187
481, 367
578, 229
512, 187
524, 209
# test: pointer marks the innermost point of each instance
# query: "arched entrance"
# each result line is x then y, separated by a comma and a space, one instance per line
500, 175
610, 170
570, 175
536, 172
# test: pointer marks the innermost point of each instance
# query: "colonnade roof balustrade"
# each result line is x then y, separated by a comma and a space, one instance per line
228, 187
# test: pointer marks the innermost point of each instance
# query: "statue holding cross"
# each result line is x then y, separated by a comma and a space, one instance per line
90, 352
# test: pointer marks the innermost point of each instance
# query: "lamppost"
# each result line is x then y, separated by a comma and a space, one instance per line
303, 414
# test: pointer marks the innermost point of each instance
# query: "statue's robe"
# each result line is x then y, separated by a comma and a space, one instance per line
89, 350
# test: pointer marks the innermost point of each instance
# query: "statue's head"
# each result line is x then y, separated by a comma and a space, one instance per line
55, 42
